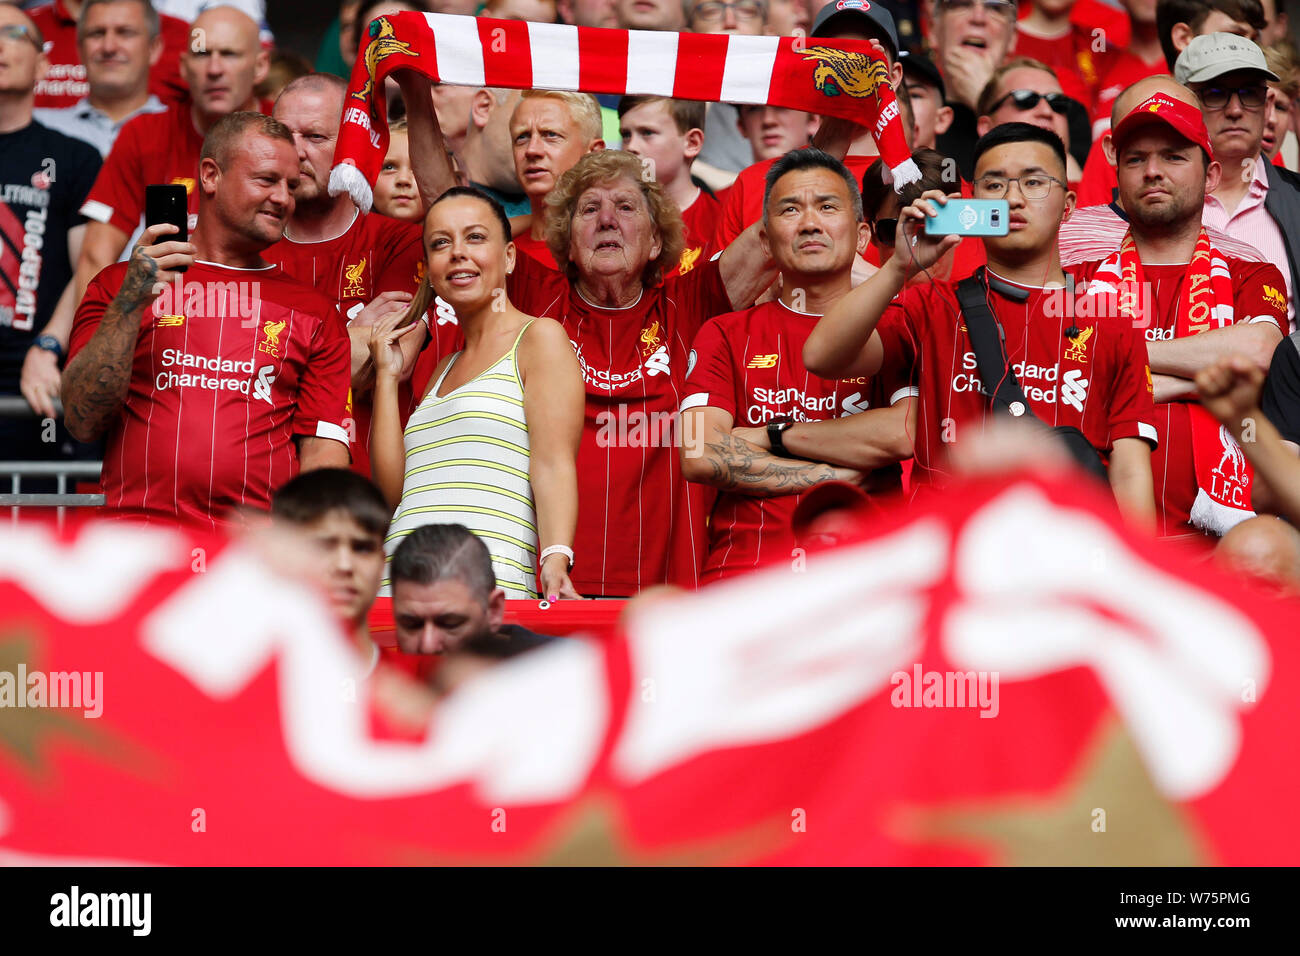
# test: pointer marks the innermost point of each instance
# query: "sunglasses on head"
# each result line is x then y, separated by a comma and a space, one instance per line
1028, 99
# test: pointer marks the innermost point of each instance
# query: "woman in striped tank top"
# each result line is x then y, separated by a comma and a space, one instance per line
493, 443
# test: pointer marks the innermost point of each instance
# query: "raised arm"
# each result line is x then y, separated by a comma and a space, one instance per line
554, 406
430, 161
100, 248
843, 344
746, 268
95, 381
387, 445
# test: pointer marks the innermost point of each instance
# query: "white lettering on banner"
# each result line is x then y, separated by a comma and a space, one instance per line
1074, 389
887, 114
91, 579
359, 117
1159, 335
859, 620
529, 735
1173, 658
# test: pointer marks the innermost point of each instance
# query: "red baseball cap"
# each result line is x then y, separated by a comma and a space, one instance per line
1183, 118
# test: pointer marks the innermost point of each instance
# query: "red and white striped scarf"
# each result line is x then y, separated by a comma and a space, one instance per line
839, 78
1223, 475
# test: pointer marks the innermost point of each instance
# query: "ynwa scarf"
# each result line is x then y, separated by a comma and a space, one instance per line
1223, 476
830, 77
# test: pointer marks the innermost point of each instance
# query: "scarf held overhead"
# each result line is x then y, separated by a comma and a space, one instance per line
846, 79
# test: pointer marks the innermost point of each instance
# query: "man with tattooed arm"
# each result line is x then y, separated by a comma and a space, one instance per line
214, 376
765, 429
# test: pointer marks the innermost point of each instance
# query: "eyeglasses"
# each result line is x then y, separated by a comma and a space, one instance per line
886, 231
998, 8
1033, 186
1028, 99
1217, 98
713, 11
19, 31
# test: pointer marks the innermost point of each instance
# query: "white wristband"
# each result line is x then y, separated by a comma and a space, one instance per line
556, 549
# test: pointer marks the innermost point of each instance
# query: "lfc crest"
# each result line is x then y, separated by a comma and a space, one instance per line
270, 343
853, 73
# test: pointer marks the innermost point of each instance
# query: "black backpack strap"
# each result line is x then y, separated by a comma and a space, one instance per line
986, 340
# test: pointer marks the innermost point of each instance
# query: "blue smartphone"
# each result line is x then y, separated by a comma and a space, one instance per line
970, 217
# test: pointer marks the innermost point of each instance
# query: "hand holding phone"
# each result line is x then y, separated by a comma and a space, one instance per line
970, 217
168, 204
917, 249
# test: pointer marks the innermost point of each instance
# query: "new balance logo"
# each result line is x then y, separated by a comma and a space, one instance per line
1074, 389
262, 387
763, 361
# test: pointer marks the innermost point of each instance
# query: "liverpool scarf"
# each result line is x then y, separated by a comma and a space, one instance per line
839, 78
1223, 475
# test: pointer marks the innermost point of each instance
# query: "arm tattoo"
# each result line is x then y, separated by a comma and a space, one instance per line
95, 382
739, 466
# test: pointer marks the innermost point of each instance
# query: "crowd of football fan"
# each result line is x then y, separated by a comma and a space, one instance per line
590, 345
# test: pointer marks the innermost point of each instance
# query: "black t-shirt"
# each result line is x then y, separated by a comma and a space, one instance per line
1280, 400
44, 178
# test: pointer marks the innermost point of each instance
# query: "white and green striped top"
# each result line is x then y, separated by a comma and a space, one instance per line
467, 463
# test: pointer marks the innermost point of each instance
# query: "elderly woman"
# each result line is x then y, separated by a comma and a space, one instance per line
492, 443
614, 235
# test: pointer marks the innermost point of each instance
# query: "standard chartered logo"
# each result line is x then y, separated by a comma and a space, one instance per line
1074, 389
657, 364
262, 387
182, 369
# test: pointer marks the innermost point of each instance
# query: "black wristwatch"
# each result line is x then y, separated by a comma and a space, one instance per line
50, 344
774, 429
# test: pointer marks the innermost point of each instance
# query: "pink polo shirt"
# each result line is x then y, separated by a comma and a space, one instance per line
1250, 222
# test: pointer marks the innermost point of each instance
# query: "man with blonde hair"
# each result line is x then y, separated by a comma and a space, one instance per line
549, 132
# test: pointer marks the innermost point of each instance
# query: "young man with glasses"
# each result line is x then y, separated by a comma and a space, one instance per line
1074, 370
1254, 200
1195, 304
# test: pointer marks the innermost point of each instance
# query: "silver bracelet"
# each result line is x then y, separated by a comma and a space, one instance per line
556, 549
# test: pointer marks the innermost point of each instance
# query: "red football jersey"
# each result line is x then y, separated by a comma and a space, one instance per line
639, 521
374, 254
750, 365
1097, 381
1172, 468
744, 203
227, 372
150, 149
66, 83
700, 219
537, 249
